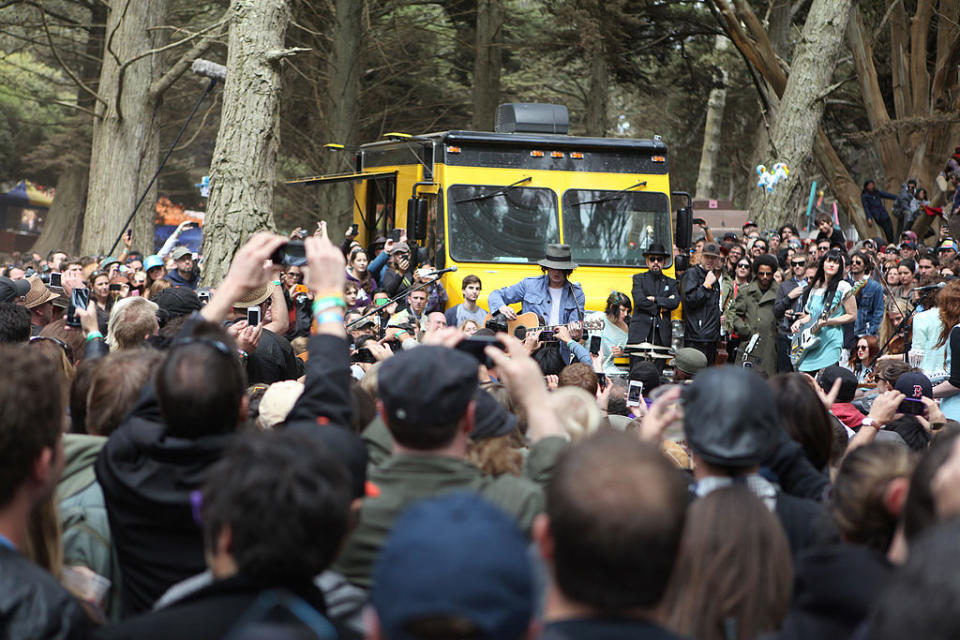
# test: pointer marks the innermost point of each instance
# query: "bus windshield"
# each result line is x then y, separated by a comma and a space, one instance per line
614, 228
500, 223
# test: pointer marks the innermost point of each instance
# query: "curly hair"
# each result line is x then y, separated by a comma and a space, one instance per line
949, 304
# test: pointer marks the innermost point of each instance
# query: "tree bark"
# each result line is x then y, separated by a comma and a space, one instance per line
342, 108
595, 114
713, 127
487, 64
62, 228
801, 106
64, 224
125, 144
243, 172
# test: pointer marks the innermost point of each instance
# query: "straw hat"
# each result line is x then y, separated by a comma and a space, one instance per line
255, 297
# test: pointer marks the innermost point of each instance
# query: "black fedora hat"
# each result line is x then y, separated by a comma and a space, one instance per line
558, 257
656, 249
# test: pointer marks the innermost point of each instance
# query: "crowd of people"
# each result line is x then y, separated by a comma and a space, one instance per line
321, 446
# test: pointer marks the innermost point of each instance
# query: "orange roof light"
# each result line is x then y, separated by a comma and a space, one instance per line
659, 158
556, 154
536, 154
452, 149
576, 155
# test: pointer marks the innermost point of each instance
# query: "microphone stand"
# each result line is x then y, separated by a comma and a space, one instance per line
213, 83
392, 300
907, 319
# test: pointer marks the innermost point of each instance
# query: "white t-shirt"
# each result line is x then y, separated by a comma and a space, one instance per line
555, 295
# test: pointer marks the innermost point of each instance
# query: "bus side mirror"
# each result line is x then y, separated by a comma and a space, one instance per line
418, 211
684, 234
681, 263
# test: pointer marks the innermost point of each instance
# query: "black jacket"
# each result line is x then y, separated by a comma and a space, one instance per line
701, 306
147, 478
834, 589
646, 312
34, 605
207, 614
273, 360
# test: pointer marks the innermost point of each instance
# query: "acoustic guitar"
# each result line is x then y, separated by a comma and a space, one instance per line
530, 320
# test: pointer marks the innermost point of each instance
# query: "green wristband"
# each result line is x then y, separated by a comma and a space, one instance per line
93, 335
325, 303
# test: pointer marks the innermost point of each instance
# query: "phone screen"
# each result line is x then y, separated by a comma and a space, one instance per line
595, 344
253, 316
79, 299
395, 234
634, 393
55, 280
354, 229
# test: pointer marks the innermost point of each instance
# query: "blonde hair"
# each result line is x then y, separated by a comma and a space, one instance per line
369, 381
131, 321
577, 412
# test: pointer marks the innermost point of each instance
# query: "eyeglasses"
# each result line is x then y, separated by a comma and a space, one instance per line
655, 258
67, 349
799, 263
856, 261
216, 345
743, 265
862, 347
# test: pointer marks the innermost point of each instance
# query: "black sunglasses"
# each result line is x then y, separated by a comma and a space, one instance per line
743, 265
67, 349
655, 258
799, 263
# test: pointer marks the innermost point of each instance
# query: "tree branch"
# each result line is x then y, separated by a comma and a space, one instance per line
56, 54
161, 84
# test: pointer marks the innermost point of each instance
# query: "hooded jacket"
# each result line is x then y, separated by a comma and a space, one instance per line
834, 589
147, 477
83, 516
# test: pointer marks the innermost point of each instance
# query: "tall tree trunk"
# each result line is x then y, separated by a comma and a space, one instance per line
341, 108
758, 51
124, 153
64, 224
487, 64
243, 172
62, 228
801, 106
713, 128
598, 98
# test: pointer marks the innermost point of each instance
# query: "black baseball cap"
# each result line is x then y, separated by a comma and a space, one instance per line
427, 387
11, 290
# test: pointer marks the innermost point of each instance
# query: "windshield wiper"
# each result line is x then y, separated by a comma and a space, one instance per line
617, 196
494, 194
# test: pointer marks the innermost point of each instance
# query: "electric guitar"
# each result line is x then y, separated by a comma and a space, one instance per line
807, 337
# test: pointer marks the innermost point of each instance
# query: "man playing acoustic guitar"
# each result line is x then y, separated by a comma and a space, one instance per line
551, 296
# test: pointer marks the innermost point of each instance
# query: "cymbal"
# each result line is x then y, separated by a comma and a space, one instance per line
653, 356
645, 346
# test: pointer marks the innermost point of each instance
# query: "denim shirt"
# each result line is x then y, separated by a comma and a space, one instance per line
869, 309
534, 294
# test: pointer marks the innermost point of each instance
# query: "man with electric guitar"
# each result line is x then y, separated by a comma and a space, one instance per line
828, 303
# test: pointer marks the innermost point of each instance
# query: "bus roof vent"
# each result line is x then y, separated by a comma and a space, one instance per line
526, 117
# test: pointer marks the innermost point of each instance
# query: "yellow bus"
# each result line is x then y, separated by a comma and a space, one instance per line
490, 202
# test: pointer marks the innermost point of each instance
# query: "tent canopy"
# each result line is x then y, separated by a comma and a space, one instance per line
25, 194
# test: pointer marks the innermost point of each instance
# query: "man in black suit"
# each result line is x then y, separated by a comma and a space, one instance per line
654, 297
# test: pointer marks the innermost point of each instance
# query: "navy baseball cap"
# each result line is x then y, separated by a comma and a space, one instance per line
428, 386
914, 386
456, 555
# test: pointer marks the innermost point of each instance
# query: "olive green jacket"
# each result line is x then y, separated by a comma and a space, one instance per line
752, 312
406, 478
